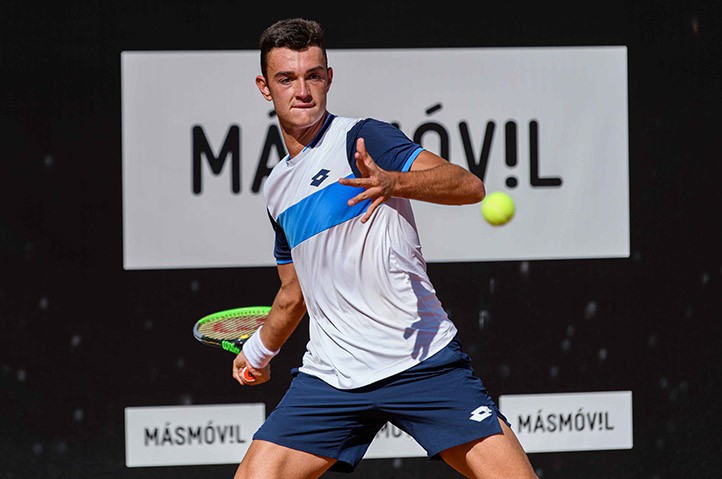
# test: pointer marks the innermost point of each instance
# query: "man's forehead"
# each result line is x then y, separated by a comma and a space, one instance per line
285, 59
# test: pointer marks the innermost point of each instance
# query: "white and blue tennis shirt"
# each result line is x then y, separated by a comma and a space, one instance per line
372, 308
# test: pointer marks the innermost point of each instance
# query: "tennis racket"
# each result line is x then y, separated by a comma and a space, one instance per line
230, 328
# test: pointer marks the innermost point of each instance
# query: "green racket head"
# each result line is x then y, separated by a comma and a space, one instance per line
230, 328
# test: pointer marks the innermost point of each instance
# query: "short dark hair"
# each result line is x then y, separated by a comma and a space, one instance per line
295, 33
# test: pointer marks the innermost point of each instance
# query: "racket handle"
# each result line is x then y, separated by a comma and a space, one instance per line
247, 376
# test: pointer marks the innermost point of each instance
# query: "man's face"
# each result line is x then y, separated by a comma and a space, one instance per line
297, 82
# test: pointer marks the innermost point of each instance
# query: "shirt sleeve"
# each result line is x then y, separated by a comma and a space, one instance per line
390, 148
281, 250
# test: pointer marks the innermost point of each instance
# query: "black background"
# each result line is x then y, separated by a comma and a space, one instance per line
82, 339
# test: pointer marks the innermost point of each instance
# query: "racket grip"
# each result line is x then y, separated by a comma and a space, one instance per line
247, 376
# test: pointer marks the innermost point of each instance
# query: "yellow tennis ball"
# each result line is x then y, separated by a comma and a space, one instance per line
497, 208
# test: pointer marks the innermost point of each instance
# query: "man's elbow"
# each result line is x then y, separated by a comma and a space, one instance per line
291, 299
477, 190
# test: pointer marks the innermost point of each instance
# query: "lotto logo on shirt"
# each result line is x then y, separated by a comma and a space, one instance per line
319, 178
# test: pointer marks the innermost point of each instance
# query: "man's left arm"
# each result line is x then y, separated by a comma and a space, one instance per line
430, 178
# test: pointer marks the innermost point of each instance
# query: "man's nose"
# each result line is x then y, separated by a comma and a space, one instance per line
303, 90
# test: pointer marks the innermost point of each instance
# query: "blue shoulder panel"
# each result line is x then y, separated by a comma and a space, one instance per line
390, 148
281, 251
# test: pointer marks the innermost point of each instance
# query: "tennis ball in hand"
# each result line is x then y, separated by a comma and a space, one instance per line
497, 208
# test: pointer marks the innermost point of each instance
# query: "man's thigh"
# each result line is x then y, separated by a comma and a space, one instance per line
265, 459
494, 457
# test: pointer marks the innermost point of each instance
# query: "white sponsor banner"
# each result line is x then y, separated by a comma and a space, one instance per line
190, 435
588, 421
546, 125
391, 441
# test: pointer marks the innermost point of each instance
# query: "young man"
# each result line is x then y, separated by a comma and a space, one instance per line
381, 346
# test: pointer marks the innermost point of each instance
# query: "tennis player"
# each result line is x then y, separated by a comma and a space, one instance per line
381, 346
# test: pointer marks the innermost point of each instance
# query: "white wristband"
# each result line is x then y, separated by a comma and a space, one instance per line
257, 355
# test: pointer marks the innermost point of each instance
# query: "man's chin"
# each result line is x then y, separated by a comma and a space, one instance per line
307, 118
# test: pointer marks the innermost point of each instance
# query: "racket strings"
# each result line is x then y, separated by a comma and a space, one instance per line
232, 327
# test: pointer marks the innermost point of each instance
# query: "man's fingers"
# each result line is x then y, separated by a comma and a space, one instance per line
371, 209
351, 181
247, 376
364, 162
361, 146
369, 212
357, 199
362, 166
370, 180
367, 194
367, 215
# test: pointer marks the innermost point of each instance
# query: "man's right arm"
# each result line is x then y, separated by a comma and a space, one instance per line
287, 310
286, 313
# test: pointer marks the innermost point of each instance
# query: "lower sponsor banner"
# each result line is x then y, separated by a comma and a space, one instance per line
221, 434
588, 421
190, 435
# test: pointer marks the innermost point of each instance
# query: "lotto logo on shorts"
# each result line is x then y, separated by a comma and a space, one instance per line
480, 413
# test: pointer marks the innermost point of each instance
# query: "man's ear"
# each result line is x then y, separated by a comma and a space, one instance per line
262, 85
329, 73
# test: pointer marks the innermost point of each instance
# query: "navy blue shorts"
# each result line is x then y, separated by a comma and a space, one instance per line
439, 402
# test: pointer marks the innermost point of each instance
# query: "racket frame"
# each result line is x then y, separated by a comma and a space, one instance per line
230, 345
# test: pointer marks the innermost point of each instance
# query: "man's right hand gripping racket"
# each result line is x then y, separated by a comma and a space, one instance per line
230, 328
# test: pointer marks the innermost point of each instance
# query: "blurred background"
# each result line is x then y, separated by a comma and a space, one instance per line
80, 336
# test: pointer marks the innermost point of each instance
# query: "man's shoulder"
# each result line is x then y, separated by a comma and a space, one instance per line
372, 125
345, 122
367, 125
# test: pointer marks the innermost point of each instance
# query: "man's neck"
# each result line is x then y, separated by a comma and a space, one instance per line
297, 140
